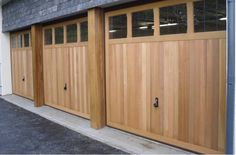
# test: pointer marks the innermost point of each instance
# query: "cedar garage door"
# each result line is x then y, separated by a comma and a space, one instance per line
65, 67
21, 59
166, 72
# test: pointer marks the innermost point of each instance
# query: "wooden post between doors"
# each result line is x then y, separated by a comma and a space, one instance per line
96, 52
37, 57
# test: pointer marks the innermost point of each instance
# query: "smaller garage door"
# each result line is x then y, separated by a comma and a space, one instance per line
22, 76
65, 67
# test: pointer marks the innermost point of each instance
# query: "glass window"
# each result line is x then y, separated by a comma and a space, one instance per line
20, 41
59, 35
84, 31
118, 27
48, 36
173, 19
209, 15
71, 31
143, 23
13, 41
26, 40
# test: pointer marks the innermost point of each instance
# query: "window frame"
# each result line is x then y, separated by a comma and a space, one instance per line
64, 25
80, 35
204, 31
123, 14
132, 15
16, 41
156, 9
24, 39
63, 33
16, 35
44, 43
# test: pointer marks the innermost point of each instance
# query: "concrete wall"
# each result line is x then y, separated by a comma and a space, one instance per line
22, 13
5, 61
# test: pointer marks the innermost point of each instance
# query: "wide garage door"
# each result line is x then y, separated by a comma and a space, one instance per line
21, 59
166, 72
65, 67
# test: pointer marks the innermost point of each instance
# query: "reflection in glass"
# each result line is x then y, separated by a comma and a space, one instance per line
84, 31
118, 27
26, 39
48, 36
143, 23
173, 19
71, 31
13, 41
20, 41
209, 15
59, 35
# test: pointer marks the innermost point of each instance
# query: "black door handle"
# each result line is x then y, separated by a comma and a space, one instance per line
23, 79
156, 104
65, 87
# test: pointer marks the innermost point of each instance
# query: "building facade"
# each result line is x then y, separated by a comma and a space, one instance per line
157, 69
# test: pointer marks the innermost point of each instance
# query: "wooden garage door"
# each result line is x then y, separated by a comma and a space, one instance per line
166, 73
65, 67
22, 75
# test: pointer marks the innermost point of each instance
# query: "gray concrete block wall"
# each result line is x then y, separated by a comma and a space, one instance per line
22, 13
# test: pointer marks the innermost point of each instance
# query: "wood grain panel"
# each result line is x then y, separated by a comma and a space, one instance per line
22, 69
188, 77
157, 87
50, 76
96, 58
80, 94
37, 61
67, 65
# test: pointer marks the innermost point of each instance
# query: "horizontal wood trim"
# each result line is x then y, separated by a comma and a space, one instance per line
23, 48
66, 23
173, 37
164, 139
78, 44
69, 111
146, 6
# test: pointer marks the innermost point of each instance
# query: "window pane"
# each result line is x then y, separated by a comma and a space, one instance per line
48, 36
26, 40
209, 15
13, 41
173, 19
71, 31
20, 41
84, 31
59, 35
143, 23
118, 27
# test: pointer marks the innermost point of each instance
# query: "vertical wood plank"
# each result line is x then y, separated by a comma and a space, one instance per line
37, 59
129, 25
222, 96
156, 22
184, 89
96, 51
190, 13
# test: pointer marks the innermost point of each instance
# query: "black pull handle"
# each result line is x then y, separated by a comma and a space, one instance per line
156, 104
23, 79
65, 87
